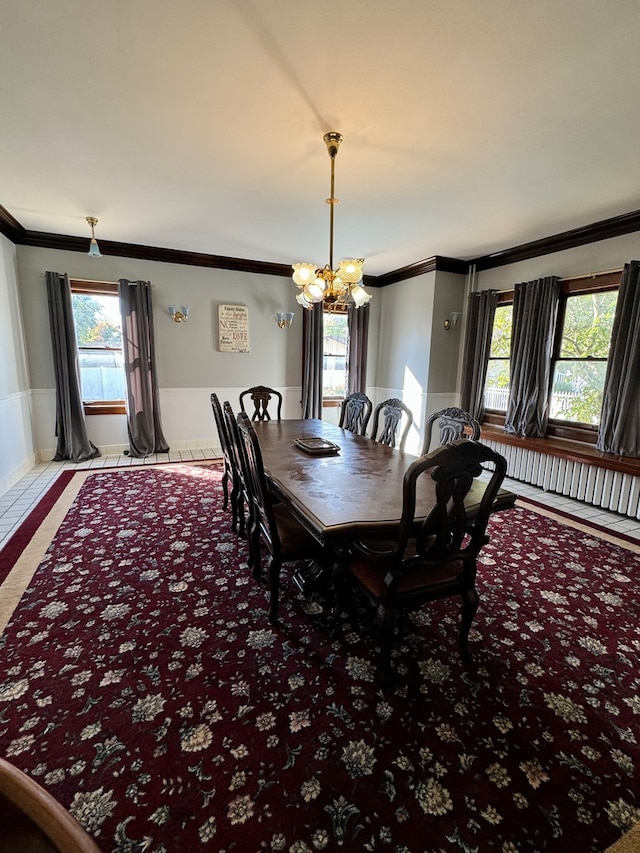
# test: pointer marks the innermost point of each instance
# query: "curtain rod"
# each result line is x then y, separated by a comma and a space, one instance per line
590, 274
92, 280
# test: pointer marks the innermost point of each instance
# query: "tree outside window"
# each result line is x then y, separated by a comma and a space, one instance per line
496, 389
580, 362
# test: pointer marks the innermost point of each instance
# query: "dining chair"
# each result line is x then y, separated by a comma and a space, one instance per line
270, 523
228, 474
355, 411
261, 396
32, 820
393, 412
434, 557
453, 423
240, 493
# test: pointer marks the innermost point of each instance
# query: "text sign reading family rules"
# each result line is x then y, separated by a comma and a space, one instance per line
233, 326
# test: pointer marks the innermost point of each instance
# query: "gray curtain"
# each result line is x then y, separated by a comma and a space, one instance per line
312, 327
620, 420
358, 325
535, 312
138, 348
71, 430
482, 309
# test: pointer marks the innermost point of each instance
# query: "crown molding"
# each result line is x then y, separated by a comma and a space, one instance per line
9, 226
437, 263
626, 223
602, 230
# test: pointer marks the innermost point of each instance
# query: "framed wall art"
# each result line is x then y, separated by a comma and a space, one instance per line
233, 328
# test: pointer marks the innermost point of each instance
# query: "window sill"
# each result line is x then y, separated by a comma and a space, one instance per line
564, 448
111, 408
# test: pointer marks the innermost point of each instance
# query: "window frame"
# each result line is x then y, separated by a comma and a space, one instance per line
570, 286
99, 288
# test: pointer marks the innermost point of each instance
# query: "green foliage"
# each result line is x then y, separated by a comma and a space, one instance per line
335, 326
587, 325
501, 335
92, 323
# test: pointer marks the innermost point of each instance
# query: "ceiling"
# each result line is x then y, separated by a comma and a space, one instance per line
469, 127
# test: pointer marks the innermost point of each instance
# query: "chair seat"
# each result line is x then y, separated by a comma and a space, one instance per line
371, 575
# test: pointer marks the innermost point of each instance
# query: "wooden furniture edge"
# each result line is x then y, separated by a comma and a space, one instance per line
565, 448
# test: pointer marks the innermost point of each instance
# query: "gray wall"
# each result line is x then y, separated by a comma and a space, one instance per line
17, 451
189, 363
417, 359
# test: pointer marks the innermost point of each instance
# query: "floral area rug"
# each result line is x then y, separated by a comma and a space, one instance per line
142, 685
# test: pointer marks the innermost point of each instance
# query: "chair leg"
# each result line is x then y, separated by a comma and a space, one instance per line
234, 506
470, 601
225, 486
387, 619
275, 565
253, 538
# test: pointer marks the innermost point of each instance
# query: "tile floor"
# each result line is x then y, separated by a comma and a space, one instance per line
16, 504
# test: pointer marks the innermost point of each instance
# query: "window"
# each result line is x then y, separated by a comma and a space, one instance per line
496, 389
580, 357
96, 313
334, 355
579, 363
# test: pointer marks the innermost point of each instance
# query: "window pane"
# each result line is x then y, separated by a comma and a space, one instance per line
334, 366
496, 389
588, 320
577, 390
501, 334
99, 340
101, 375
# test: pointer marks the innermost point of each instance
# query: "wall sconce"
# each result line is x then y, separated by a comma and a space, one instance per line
180, 316
452, 320
284, 319
94, 249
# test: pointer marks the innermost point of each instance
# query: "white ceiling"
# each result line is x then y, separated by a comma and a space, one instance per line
469, 127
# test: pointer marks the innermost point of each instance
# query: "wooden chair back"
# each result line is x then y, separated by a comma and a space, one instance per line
453, 423
355, 411
261, 396
229, 473
393, 413
239, 496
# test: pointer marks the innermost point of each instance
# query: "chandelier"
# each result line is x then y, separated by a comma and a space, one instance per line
331, 286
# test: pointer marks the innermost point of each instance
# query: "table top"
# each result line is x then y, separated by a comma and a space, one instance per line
355, 493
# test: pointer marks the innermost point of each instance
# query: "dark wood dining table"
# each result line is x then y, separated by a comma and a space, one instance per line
355, 493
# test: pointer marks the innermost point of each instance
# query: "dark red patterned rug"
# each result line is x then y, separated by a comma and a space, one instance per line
141, 684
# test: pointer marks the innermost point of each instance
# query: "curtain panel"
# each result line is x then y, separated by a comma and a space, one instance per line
358, 326
312, 347
620, 419
71, 430
477, 344
144, 423
535, 312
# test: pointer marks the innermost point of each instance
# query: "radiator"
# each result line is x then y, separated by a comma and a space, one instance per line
601, 487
